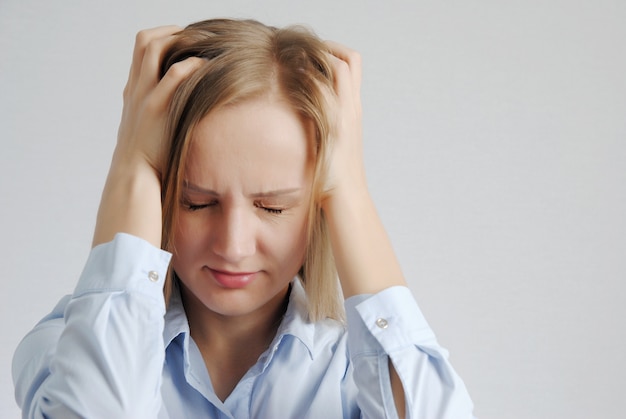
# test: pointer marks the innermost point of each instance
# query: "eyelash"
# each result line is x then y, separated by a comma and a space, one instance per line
272, 210
197, 207
192, 207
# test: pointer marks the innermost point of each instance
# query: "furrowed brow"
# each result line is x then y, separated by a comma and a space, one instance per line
277, 192
195, 188
265, 194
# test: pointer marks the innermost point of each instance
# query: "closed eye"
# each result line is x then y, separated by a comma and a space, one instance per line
195, 207
271, 210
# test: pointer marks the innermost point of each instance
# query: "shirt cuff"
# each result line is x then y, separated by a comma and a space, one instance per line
127, 263
387, 321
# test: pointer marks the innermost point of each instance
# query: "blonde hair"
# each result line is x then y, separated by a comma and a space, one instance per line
246, 59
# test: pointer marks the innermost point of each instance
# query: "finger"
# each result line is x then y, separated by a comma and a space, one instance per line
348, 96
352, 58
342, 80
176, 74
142, 40
150, 65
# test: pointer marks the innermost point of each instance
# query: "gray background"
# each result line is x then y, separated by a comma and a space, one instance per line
495, 146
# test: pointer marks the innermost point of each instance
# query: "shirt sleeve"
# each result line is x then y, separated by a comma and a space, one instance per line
100, 352
390, 326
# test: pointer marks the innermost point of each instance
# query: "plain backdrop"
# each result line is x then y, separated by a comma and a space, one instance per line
495, 143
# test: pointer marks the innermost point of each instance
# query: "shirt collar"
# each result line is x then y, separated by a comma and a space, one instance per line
295, 321
175, 318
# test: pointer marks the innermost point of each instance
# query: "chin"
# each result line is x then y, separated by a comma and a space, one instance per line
206, 294
233, 303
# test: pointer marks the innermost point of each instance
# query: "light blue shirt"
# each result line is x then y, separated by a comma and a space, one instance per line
111, 350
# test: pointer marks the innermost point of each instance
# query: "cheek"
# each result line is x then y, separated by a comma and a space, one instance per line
187, 241
290, 245
181, 235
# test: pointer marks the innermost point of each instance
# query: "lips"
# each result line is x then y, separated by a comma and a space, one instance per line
232, 280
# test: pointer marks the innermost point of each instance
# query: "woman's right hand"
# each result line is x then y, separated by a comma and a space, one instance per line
131, 200
141, 135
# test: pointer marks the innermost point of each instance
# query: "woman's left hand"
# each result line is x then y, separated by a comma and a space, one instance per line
346, 169
363, 254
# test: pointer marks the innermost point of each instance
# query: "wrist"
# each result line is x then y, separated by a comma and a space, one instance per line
131, 162
346, 195
364, 257
131, 202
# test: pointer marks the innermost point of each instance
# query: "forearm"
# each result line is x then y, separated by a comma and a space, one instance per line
364, 257
365, 260
100, 353
131, 203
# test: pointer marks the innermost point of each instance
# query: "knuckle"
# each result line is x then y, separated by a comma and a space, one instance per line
153, 47
177, 70
354, 57
183, 68
142, 38
342, 68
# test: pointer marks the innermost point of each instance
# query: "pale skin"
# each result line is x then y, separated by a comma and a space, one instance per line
238, 332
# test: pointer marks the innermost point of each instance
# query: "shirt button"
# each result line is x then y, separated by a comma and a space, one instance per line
153, 276
382, 323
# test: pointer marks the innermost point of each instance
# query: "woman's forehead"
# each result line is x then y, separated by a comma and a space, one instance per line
266, 122
260, 143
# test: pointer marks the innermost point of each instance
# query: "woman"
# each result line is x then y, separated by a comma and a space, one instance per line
238, 154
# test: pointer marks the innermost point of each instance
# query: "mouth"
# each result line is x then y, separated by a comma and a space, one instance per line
232, 280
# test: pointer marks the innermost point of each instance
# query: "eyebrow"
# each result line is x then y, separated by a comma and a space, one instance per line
265, 194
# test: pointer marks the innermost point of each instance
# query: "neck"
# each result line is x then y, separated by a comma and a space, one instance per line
215, 331
231, 345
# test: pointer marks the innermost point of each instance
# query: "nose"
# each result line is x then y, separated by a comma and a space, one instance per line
234, 236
